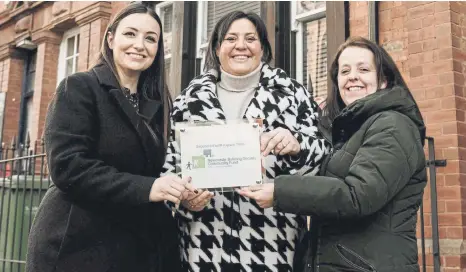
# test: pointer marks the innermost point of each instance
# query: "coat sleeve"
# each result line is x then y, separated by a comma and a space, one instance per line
390, 154
172, 164
71, 133
313, 145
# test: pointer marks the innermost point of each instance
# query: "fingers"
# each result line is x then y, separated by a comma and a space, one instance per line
286, 149
172, 199
247, 192
202, 199
266, 137
273, 142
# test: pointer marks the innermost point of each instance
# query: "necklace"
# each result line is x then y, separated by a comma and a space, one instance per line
133, 98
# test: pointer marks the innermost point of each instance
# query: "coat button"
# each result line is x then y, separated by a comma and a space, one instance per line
309, 265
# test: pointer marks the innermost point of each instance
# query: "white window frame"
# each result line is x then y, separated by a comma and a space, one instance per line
201, 32
297, 24
158, 10
62, 58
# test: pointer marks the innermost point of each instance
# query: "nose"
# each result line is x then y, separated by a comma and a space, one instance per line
240, 43
138, 43
353, 75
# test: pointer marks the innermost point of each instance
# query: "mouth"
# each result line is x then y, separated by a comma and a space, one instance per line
136, 56
354, 88
240, 58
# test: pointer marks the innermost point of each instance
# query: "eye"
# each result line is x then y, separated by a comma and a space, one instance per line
151, 39
251, 39
344, 71
129, 34
230, 39
364, 69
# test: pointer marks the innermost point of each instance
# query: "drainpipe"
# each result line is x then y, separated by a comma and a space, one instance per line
374, 21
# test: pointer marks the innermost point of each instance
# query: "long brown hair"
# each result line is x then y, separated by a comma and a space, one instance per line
152, 81
385, 68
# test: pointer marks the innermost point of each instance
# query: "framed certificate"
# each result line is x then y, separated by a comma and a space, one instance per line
220, 156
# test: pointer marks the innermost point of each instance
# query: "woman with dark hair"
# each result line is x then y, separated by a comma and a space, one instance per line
106, 138
364, 205
224, 231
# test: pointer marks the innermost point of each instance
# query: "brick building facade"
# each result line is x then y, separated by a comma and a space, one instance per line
42, 42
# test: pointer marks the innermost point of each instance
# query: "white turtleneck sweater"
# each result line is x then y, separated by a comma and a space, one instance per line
235, 92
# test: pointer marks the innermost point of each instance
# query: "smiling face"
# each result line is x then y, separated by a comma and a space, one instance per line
134, 43
357, 74
240, 52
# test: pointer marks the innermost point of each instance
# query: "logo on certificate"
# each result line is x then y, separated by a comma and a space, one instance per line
198, 162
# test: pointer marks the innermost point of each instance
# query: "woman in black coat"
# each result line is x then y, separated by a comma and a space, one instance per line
106, 138
364, 206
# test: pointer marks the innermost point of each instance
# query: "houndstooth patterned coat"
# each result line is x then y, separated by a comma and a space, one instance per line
233, 233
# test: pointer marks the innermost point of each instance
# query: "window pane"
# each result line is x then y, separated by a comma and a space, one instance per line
217, 9
30, 81
27, 119
167, 15
307, 6
76, 65
167, 18
77, 44
32, 63
315, 57
167, 67
70, 46
69, 67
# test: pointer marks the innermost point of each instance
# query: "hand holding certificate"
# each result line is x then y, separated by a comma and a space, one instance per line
221, 156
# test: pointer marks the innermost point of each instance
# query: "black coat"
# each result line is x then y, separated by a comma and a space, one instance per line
364, 207
103, 161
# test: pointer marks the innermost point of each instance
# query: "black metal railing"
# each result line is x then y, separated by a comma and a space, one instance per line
24, 180
432, 165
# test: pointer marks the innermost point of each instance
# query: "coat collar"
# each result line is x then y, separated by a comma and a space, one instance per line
144, 123
148, 108
274, 94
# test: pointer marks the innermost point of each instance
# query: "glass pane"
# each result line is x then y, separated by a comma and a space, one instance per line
30, 81
315, 57
167, 68
167, 29
27, 119
167, 18
76, 65
307, 6
32, 63
77, 44
70, 46
69, 67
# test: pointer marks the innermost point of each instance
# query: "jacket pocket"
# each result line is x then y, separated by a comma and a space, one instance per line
354, 259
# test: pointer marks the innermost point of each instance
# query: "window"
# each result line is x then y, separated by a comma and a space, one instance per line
209, 12
310, 25
165, 12
26, 99
69, 54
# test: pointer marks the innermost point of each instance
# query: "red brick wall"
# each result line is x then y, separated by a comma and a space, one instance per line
12, 80
44, 86
91, 36
358, 18
427, 42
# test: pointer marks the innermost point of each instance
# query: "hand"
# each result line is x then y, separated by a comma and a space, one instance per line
281, 141
197, 202
171, 188
262, 194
